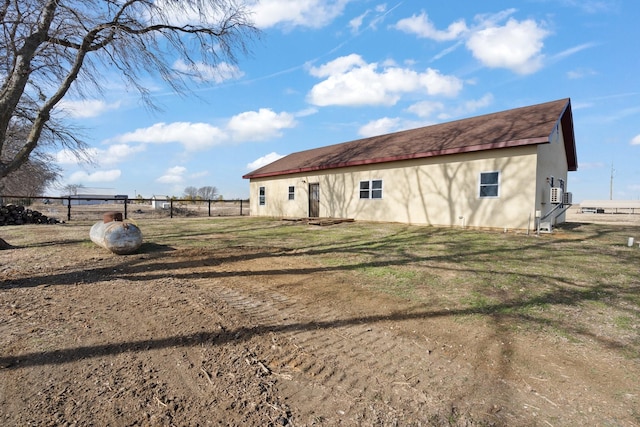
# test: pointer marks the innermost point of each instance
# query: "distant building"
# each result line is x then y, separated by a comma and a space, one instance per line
501, 170
610, 206
93, 196
160, 202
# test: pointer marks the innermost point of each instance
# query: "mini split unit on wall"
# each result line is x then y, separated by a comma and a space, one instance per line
556, 195
559, 197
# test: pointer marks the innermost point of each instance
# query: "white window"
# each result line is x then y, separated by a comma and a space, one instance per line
292, 192
262, 199
371, 189
489, 184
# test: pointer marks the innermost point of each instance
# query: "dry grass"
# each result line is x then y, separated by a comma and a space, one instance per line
580, 283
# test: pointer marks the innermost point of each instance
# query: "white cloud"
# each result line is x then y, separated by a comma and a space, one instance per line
339, 65
356, 22
264, 160
581, 105
296, 13
421, 26
173, 175
83, 109
248, 126
573, 50
380, 127
387, 125
112, 155
351, 81
67, 157
193, 136
188, 13
426, 109
118, 152
636, 140
259, 125
205, 73
306, 112
438, 84
580, 73
516, 46
447, 51
199, 174
466, 108
100, 176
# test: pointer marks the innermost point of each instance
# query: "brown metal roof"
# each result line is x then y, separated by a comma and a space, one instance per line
511, 128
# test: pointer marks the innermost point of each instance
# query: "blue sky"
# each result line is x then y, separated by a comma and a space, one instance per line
331, 71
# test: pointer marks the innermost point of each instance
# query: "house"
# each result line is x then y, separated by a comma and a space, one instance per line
505, 170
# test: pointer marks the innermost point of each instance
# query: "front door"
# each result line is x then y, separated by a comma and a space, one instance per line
314, 200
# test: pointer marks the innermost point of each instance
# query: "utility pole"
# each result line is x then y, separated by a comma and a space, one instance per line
611, 183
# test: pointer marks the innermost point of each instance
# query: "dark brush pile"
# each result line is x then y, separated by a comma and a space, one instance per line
18, 215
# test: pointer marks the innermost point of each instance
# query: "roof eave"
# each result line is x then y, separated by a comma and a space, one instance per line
566, 121
435, 153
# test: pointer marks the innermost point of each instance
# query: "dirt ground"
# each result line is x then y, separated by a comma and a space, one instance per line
183, 336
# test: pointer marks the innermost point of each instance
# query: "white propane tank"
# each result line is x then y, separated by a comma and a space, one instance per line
119, 237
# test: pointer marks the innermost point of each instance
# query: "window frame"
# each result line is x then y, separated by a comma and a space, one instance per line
371, 189
482, 186
262, 196
292, 192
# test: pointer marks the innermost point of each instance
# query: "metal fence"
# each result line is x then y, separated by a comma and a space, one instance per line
92, 208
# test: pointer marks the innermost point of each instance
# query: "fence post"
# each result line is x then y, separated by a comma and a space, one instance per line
209, 207
171, 208
68, 208
126, 202
240, 207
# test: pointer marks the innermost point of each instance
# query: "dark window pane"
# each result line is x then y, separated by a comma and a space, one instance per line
489, 178
489, 191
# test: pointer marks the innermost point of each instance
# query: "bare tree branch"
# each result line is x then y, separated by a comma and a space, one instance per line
50, 49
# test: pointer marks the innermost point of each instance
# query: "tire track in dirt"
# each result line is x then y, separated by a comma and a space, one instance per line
368, 370
137, 354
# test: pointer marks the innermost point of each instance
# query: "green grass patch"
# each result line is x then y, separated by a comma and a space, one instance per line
624, 322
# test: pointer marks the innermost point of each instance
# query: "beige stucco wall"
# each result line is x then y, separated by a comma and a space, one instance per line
435, 191
552, 162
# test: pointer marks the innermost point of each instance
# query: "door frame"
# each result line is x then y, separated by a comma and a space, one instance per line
314, 203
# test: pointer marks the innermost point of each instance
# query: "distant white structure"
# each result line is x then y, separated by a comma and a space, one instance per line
160, 202
610, 206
